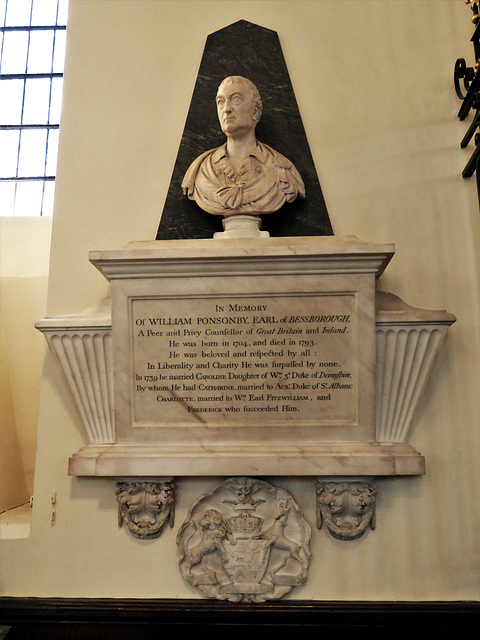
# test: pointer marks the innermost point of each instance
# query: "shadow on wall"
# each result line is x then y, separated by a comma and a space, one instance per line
24, 261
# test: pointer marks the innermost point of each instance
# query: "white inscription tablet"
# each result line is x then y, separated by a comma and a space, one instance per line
243, 359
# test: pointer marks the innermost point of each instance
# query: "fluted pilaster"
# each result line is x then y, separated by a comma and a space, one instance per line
82, 349
407, 344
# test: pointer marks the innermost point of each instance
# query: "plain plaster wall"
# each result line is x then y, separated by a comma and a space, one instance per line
374, 85
13, 487
24, 263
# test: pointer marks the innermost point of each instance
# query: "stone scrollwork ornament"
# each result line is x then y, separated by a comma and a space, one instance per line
347, 508
247, 541
145, 507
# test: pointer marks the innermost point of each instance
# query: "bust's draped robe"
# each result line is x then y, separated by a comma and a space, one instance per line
264, 182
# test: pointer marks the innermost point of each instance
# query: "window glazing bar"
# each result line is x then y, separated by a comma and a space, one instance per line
29, 179
19, 127
28, 76
56, 27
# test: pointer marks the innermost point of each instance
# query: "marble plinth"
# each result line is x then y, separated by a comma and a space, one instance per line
251, 341
242, 226
345, 460
376, 364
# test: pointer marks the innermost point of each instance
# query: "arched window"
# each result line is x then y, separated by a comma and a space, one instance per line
32, 52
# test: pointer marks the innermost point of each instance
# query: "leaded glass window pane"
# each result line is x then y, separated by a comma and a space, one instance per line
32, 53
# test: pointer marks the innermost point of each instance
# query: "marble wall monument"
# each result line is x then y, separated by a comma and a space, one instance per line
252, 357
254, 52
246, 353
243, 178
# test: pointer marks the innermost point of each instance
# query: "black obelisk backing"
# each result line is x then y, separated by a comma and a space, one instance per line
248, 50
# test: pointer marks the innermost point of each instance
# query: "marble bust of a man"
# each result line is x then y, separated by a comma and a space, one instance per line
243, 176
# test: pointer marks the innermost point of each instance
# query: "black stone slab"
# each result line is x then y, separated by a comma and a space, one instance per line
254, 52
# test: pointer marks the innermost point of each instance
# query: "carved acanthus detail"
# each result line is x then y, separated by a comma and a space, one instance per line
346, 508
146, 507
247, 541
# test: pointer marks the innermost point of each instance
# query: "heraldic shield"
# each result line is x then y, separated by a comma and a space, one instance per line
246, 541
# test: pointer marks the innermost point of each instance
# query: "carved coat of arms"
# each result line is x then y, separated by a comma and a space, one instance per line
246, 541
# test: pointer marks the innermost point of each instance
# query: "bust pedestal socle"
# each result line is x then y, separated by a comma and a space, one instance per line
244, 178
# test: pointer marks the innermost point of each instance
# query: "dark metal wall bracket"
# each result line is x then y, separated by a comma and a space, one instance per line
467, 88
